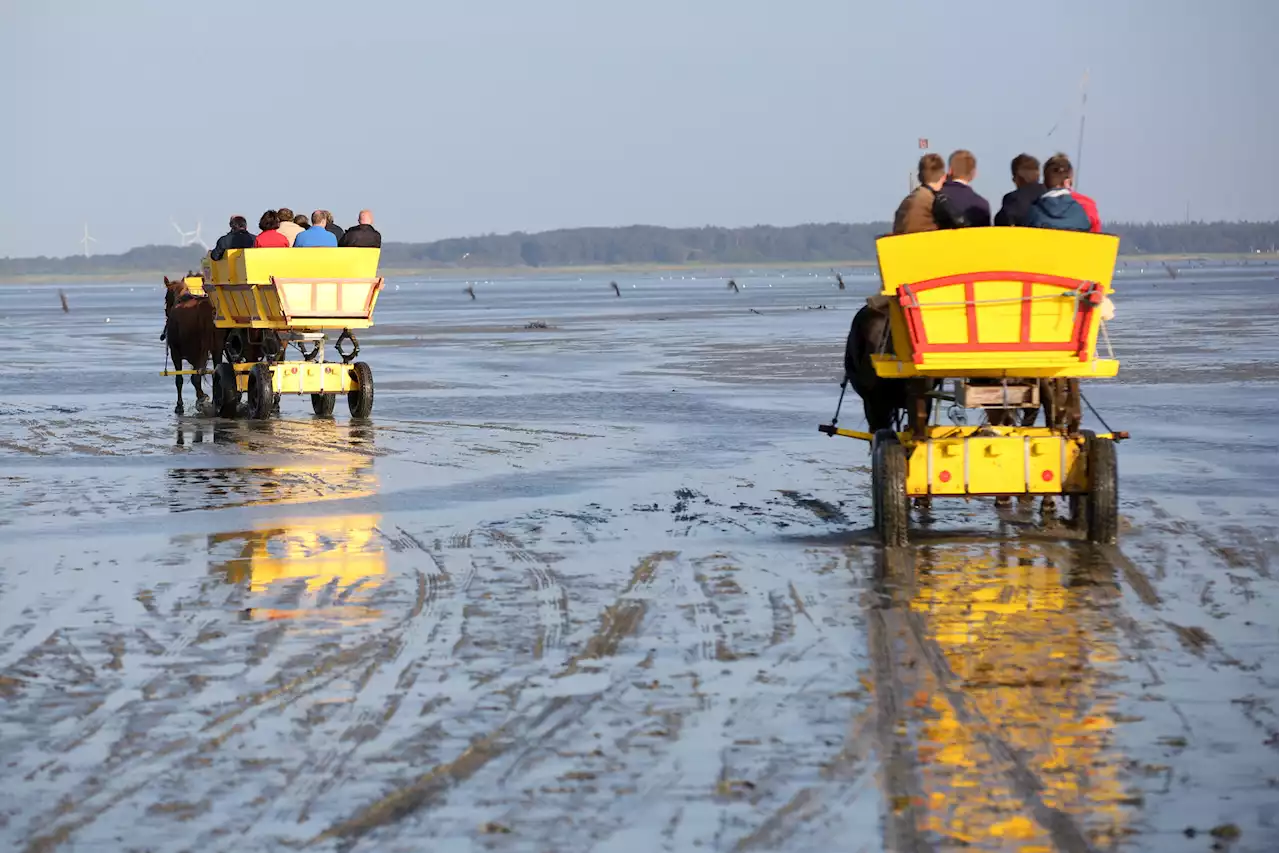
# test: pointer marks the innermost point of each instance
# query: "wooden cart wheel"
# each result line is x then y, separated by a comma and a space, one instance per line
360, 398
889, 486
261, 395
323, 404
1101, 510
226, 396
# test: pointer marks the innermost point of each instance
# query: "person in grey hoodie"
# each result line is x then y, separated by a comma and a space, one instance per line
1057, 208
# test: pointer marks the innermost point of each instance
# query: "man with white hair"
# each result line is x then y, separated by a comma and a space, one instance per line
364, 235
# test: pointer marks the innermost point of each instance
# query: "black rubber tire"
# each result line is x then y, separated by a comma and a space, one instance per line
261, 395
226, 396
324, 404
1102, 510
360, 398
889, 485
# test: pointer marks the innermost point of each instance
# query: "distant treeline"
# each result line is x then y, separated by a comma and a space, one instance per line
647, 244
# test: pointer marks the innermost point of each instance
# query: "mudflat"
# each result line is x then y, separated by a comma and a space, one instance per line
590, 579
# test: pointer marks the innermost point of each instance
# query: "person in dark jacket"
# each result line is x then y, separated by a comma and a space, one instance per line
1057, 208
238, 237
332, 227
1015, 206
364, 235
962, 169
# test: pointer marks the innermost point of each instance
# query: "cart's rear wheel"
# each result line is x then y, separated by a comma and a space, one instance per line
226, 396
889, 488
323, 404
1101, 509
360, 398
261, 395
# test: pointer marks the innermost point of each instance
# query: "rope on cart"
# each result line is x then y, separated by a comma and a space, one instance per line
1078, 295
836, 417
1095, 413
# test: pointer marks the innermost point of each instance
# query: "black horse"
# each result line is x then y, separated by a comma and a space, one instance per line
882, 398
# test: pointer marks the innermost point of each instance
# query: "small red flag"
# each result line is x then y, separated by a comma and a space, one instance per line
924, 143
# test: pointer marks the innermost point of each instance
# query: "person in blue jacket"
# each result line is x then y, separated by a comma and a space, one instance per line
317, 234
1057, 208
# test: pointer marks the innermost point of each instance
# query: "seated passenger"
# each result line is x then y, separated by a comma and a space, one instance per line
239, 237
926, 208
1026, 178
270, 238
363, 235
1057, 208
316, 235
332, 227
962, 169
288, 227
301, 221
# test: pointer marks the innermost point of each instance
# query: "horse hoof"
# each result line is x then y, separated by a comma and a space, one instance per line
1004, 502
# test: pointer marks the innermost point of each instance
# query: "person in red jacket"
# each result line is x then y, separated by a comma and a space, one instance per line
1090, 206
270, 236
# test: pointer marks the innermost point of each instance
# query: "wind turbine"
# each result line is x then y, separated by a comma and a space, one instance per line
188, 238
86, 240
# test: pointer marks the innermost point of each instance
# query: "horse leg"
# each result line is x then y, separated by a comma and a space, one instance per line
177, 381
197, 384
877, 407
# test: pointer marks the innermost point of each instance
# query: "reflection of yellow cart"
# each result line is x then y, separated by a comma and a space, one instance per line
343, 551
267, 300
1029, 654
1011, 317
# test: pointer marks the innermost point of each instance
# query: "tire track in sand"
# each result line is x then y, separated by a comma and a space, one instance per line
381, 688
617, 621
553, 602
127, 777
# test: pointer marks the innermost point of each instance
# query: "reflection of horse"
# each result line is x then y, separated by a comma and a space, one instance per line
191, 334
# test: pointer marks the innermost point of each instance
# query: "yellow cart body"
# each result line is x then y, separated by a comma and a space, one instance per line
996, 302
303, 289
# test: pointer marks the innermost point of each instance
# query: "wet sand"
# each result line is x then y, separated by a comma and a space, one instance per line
603, 586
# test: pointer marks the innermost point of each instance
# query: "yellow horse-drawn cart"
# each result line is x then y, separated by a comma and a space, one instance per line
266, 300
1011, 318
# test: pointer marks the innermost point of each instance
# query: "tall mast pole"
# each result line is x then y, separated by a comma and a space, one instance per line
1084, 101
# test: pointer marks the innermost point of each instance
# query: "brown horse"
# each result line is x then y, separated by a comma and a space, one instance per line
191, 334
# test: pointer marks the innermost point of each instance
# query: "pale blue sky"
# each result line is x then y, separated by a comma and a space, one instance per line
450, 119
